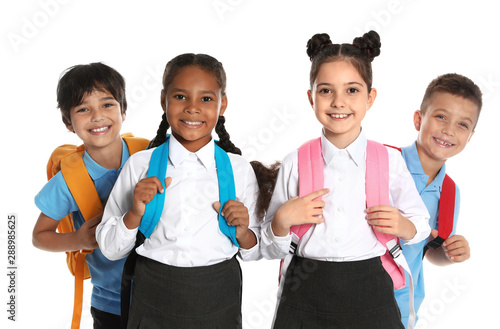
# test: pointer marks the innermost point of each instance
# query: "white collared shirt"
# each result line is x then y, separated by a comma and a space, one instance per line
187, 233
345, 235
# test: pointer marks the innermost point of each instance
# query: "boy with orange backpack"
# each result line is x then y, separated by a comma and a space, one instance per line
445, 123
93, 105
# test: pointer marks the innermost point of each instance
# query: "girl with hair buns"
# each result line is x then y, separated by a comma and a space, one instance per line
186, 274
335, 278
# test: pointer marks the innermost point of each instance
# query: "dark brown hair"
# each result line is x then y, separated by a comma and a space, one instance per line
360, 54
80, 80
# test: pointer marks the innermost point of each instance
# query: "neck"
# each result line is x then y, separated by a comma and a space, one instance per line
193, 145
341, 141
109, 157
431, 166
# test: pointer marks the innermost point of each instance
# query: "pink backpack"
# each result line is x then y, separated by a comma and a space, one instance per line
311, 178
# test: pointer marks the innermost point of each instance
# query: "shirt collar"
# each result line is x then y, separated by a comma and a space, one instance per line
96, 171
178, 153
356, 150
414, 165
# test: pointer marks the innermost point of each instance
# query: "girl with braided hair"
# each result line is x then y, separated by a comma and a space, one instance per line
186, 273
332, 276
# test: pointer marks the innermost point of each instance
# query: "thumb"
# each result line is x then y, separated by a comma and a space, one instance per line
434, 233
168, 180
217, 206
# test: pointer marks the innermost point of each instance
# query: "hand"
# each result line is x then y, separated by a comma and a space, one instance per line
298, 211
144, 192
236, 214
86, 234
456, 247
387, 219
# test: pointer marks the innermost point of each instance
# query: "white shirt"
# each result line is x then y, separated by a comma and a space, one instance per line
345, 235
187, 233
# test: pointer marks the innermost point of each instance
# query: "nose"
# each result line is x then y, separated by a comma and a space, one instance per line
193, 107
97, 114
448, 129
338, 101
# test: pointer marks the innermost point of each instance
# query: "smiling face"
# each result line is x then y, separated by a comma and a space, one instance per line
340, 99
193, 102
445, 128
97, 120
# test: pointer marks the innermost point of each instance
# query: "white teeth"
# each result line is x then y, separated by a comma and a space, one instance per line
98, 130
443, 142
194, 123
339, 116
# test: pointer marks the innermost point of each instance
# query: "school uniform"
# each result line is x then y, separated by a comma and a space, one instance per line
55, 201
336, 279
186, 274
430, 195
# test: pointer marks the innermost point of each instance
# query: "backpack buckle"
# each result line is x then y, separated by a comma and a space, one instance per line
436, 243
394, 248
294, 244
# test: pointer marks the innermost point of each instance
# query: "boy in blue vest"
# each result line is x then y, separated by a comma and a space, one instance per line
445, 123
92, 102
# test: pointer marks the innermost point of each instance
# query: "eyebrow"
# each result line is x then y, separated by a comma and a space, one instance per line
177, 90
107, 98
345, 84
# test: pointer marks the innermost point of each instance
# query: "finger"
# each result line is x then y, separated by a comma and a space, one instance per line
94, 221
316, 194
379, 208
168, 180
216, 206
434, 233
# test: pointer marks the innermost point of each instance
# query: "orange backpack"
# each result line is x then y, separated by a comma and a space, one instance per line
69, 160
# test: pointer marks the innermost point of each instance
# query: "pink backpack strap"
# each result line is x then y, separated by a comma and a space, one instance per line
377, 193
311, 178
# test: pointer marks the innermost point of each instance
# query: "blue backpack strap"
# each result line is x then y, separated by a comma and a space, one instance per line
226, 190
158, 168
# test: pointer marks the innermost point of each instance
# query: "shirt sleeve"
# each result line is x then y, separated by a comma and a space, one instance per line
276, 247
250, 195
115, 240
405, 197
55, 199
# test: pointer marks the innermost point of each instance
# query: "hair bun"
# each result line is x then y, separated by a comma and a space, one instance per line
369, 44
316, 43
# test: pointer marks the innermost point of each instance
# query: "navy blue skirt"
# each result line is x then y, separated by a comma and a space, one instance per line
340, 295
205, 297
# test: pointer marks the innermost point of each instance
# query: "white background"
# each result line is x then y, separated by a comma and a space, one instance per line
262, 46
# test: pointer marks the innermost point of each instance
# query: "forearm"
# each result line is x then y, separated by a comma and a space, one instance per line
56, 242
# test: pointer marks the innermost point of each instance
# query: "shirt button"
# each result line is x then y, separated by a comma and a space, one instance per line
340, 209
341, 178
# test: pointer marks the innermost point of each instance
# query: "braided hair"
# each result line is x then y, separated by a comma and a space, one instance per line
360, 54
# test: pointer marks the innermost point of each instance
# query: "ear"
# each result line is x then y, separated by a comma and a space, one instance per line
223, 105
371, 98
309, 95
417, 119
163, 100
124, 115
70, 128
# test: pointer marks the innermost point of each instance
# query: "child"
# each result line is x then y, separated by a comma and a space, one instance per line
186, 274
336, 278
445, 124
92, 102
